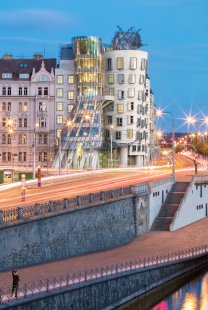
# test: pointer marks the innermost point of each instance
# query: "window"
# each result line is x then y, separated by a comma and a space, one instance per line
45, 91
3, 141
24, 75
42, 156
133, 63
59, 119
58, 133
59, 79
118, 135
25, 91
22, 156
70, 79
25, 107
119, 122
59, 92
110, 107
25, 122
43, 78
141, 79
109, 119
4, 156
143, 64
111, 91
110, 79
59, 106
20, 91
130, 119
120, 108
120, 63
42, 139
42, 106
132, 78
120, 78
3, 106
9, 140
130, 106
133, 147
42, 122
71, 95
23, 65
109, 64
9, 156
6, 75
39, 91
9, 91
4, 91
107, 133
20, 107
70, 107
129, 133
9, 106
131, 92
4, 122
120, 94
22, 138
140, 95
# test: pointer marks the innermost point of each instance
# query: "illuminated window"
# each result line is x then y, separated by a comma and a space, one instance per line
133, 63
59, 106
111, 91
24, 75
59, 119
129, 133
59, 92
120, 108
120, 63
131, 92
70, 107
59, 79
58, 133
111, 79
70, 79
71, 95
6, 75
25, 107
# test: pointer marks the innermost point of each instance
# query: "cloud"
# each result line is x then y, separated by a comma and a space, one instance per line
38, 18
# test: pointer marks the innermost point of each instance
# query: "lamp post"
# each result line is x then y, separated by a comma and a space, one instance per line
160, 113
111, 145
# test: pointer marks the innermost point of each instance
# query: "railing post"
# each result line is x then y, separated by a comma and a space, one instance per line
122, 191
66, 203
20, 212
1, 216
37, 209
112, 193
102, 196
47, 285
90, 197
79, 200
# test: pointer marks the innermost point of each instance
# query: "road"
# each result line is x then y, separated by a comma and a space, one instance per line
96, 182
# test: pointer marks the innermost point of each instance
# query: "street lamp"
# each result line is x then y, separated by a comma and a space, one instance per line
160, 113
34, 148
67, 124
111, 145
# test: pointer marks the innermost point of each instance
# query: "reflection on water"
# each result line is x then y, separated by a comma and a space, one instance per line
191, 296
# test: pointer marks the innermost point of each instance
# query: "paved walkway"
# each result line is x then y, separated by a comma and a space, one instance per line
151, 243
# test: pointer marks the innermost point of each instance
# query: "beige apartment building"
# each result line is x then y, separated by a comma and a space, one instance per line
27, 130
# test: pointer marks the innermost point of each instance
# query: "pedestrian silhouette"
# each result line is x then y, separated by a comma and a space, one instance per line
15, 282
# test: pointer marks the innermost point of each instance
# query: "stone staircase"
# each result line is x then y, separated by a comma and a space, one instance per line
170, 206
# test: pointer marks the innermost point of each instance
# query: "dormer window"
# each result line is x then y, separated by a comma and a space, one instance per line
23, 65
24, 75
6, 75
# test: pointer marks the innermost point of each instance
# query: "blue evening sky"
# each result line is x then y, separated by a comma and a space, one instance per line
175, 33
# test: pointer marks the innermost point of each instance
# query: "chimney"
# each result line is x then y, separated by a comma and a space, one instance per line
7, 57
38, 56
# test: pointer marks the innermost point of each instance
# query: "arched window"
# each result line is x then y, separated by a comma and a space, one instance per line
43, 78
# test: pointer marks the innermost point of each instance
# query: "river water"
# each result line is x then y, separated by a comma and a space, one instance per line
191, 296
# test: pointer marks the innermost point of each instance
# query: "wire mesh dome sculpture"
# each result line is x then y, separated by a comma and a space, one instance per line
127, 40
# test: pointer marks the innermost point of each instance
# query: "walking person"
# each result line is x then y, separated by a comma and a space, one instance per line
15, 282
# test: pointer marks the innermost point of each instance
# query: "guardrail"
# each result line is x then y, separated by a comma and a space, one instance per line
57, 205
69, 280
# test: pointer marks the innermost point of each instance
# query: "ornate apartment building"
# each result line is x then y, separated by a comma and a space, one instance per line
27, 117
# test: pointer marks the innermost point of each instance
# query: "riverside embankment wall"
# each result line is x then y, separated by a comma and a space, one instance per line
111, 291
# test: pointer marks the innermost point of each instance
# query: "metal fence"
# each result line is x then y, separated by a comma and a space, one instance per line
66, 203
69, 280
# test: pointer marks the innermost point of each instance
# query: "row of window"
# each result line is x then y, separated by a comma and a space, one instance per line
23, 91
23, 106
119, 135
121, 79
198, 207
22, 156
22, 139
59, 106
23, 122
133, 63
21, 75
60, 79
131, 92
130, 107
60, 93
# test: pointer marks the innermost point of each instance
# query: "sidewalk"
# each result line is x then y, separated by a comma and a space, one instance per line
149, 244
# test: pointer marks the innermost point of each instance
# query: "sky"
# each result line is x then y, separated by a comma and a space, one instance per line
174, 32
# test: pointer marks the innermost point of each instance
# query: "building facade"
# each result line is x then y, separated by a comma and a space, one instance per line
27, 111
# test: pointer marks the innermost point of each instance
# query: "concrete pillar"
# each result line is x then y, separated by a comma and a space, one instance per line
139, 161
123, 161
